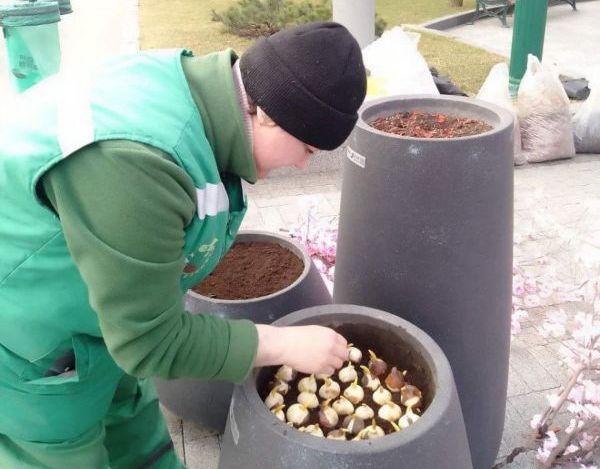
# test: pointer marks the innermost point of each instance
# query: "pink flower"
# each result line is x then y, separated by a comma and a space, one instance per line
518, 289
549, 444
535, 421
531, 301
553, 329
515, 321
530, 284
553, 399
545, 291
592, 391
585, 329
593, 411
571, 449
566, 297
577, 394
555, 324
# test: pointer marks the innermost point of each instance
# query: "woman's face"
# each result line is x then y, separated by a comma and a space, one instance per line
274, 148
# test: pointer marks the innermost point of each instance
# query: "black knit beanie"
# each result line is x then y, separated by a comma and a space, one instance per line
309, 79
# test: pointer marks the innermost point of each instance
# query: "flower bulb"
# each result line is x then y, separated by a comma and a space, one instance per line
281, 387
372, 431
285, 373
273, 399
278, 411
382, 395
330, 389
353, 424
408, 418
348, 373
308, 384
390, 411
364, 412
354, 354
297, 414
328, 417
410, 396
314, 430
339, 434
394, 380
308, 400
368, 380
343, 406
377, 366
354, 393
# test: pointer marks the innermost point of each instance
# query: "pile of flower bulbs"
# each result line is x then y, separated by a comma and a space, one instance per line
334, 406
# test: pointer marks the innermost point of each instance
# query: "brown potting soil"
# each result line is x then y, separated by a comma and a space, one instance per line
429, 125
251, 270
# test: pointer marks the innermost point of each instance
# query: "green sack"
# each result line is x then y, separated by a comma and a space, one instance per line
32, 42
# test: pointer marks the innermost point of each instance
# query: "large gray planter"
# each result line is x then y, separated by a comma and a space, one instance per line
426, 233
256, 439
206, 402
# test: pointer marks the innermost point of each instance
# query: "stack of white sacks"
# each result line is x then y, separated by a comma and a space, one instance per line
544, 127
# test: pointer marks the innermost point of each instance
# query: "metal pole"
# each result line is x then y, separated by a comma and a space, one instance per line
528, 38
358, 16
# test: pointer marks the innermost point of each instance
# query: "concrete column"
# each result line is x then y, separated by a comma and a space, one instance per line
358, 16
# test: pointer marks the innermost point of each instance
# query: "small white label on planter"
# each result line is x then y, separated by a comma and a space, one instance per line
235, 432
357, 159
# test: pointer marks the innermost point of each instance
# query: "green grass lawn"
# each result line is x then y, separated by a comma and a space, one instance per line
467, 66
187, 23
417, 11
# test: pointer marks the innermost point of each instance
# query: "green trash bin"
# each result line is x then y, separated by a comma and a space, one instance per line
32, 43
65, 7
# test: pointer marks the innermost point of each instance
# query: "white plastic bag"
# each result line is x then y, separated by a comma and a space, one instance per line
544, 116
495, 90
586, 122
396, 66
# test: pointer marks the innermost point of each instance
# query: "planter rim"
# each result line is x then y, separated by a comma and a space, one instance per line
292, 245
505, 118
440, 370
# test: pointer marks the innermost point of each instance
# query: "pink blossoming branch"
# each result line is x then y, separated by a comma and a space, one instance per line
576, 445
319, 236
581, 394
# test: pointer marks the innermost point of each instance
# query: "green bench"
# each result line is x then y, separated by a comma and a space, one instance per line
499, 9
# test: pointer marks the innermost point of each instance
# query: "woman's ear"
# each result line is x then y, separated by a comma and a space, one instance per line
264, 119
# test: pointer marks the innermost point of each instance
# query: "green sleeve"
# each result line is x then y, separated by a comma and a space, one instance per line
123, 207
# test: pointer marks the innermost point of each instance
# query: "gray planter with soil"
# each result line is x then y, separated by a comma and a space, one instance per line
256, 439
206, 402
426, 233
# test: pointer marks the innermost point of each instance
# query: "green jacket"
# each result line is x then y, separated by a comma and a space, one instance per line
149, 186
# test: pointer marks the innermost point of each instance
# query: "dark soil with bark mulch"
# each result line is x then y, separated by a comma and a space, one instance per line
420, 124
251, 270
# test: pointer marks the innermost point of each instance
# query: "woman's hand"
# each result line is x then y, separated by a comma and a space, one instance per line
308, 349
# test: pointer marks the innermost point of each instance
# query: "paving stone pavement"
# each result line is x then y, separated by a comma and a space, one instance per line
552, 201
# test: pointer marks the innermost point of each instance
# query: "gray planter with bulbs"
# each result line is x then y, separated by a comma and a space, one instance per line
206, 402
255, 438
425, 232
